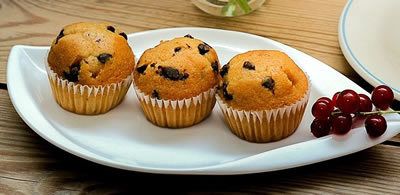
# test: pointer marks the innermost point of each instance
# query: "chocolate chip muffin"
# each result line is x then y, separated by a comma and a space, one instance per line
180, 74
90, 60
91, 54
263, 95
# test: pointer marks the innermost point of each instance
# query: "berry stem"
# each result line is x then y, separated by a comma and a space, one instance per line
380, 112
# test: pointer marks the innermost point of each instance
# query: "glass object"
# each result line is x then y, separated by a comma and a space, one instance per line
228, 8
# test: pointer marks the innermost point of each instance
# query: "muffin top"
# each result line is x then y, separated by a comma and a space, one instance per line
177, 69
262, 80
90, 53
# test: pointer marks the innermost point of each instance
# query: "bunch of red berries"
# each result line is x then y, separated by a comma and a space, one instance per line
336, 115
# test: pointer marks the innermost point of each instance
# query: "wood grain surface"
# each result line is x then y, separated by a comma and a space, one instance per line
308, 25
28, 164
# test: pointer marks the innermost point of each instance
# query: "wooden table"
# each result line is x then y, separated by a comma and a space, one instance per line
28, 164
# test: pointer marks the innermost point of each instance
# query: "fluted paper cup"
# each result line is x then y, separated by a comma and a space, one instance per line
177, 113
263, 126
85, 99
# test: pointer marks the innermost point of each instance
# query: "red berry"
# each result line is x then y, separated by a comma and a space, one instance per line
382, 97
322, 109
334, 98
348, 101
365, 103
320, 127
324, 99
341, 123
375, 125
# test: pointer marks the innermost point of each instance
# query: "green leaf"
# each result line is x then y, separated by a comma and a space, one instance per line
229, 8
244, 5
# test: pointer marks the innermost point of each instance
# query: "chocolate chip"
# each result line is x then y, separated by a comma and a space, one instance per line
177, 49
214, 66
104, 57
141, 69
60, 35
248, 65
224, 70
225, 93
124, 35
152, 65
188, 46
155, 94
268, 83
185, 76
188, 36
207, 44
203, 48
98, 40
111, 28
172, 73
73, 73
94, 74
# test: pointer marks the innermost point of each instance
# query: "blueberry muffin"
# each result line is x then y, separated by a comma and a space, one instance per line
89, 67
263, 94
175, 82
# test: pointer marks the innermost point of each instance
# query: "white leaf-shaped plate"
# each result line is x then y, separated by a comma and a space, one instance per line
124, 139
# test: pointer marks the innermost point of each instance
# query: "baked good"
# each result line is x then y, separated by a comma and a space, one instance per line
89, 67
175, 81
263, 94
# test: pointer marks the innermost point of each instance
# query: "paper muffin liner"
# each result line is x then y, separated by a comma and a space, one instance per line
177, 113
263, 126
85, 99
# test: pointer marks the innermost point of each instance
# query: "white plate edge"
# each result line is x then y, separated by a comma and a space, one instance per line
350, 57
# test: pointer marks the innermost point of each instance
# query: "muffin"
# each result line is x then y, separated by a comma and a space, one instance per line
263, 95
89, 67
175, 82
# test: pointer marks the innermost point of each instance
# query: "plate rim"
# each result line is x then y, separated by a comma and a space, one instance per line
202, 170
354, 62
